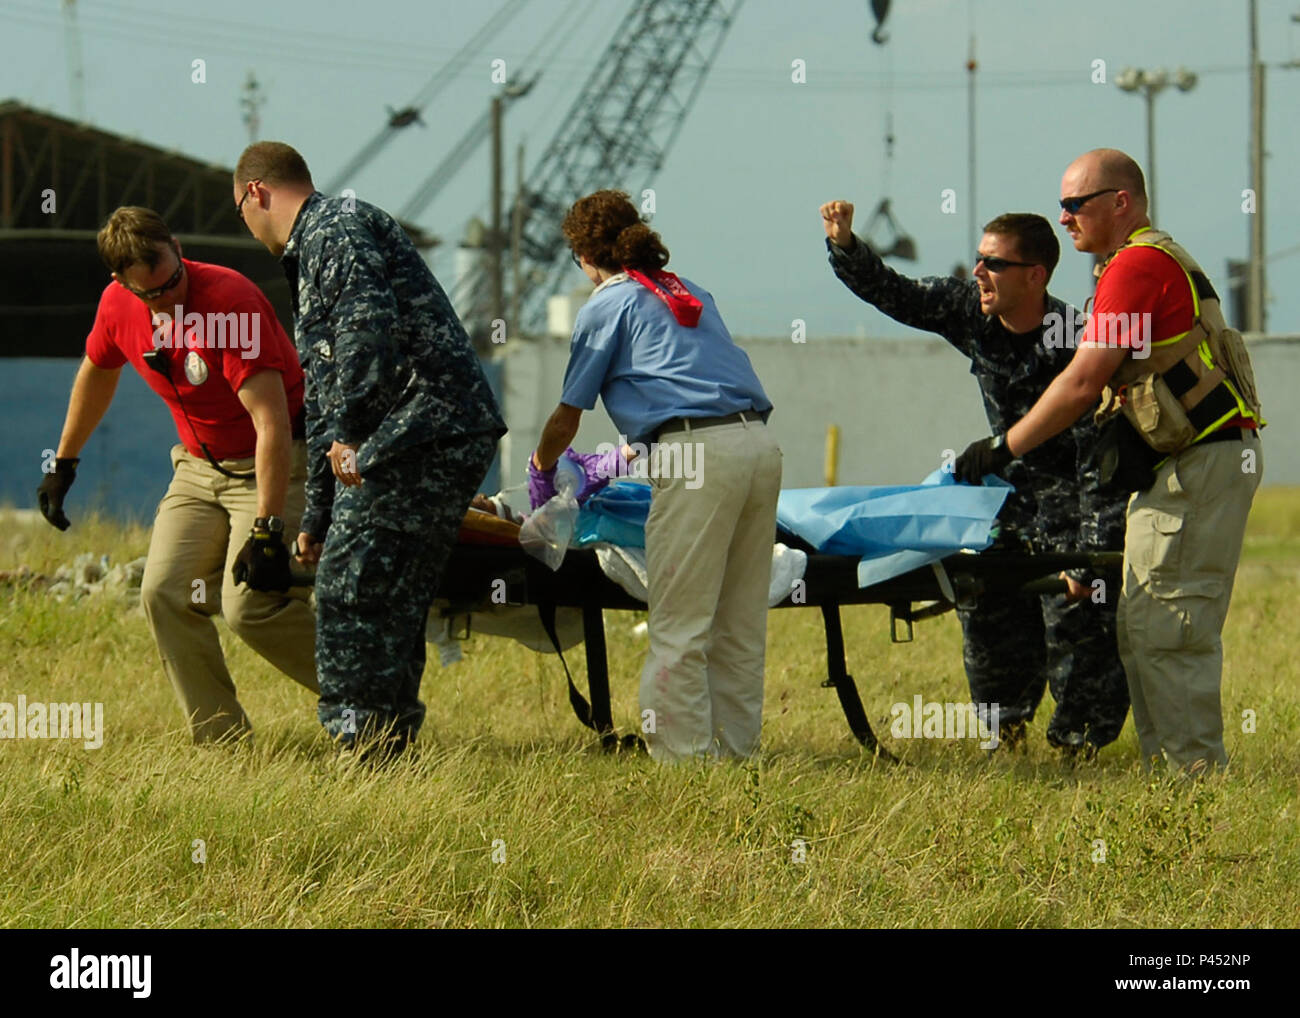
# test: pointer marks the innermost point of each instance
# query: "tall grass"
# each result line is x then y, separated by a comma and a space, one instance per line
509, 816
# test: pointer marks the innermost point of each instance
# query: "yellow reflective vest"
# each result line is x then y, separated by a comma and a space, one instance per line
1188, 385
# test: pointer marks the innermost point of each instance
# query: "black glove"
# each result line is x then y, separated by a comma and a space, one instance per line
54, 487
263, 562
987, 456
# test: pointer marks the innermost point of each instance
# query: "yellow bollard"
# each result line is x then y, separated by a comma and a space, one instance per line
832, 454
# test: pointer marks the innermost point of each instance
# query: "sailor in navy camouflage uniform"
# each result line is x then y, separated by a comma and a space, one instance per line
1014, 646
399, 410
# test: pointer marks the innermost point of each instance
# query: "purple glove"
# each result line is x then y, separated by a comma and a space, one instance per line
541, 484
599, 468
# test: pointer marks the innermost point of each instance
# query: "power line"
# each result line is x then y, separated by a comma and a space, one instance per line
556, 68
348, 53
145, 26
518, 86
441, 78
155, 34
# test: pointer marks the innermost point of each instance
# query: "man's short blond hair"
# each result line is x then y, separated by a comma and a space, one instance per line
273, 162
133, 234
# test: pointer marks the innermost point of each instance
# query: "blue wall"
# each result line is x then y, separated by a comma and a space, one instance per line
124, 468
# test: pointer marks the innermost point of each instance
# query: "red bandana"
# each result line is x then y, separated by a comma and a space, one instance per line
684, 305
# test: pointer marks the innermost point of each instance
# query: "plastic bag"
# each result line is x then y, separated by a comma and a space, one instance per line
545, 535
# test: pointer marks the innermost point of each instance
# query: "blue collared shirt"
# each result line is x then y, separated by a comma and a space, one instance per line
629, 350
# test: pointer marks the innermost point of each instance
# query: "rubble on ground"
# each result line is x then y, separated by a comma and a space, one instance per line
88, 575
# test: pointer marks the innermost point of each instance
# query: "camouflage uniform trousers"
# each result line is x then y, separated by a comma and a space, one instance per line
1015, 646
380, 569
1085, 672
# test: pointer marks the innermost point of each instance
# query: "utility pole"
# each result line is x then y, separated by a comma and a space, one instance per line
251, 102
76, 70
970, 141
516, 241
496, 235
1256, 317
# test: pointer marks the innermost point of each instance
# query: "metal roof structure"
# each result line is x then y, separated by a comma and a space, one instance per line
59, 181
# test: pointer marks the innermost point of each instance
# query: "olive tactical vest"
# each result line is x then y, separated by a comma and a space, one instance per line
1189, 384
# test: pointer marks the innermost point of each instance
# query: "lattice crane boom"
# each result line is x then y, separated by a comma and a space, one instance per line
621, 126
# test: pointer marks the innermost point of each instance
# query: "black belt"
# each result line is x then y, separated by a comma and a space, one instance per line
695, 423
1226, 435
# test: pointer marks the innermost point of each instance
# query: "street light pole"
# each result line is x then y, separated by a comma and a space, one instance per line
1151, 153
1151, 83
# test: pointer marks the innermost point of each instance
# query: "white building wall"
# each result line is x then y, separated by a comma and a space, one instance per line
898, 404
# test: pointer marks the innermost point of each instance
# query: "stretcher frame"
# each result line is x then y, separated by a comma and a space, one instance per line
474, 575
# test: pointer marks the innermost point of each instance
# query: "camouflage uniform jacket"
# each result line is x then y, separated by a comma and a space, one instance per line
387, 364
1057, 503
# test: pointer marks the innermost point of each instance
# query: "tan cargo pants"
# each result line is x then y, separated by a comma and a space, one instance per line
709, 565
1181, 550
202, 523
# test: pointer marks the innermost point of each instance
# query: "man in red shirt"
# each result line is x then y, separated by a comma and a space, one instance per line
1157, 338
206, 340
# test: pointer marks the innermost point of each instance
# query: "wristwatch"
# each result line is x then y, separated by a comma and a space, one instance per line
270, 525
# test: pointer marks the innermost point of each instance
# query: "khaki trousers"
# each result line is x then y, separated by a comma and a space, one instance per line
201, 525
1181, 550
709, 564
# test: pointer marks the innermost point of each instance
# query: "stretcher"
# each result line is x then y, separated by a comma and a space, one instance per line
478, 574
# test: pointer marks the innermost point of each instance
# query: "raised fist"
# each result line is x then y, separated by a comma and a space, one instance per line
837, 218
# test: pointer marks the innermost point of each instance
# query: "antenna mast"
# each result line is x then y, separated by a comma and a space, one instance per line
76, 74
251, 102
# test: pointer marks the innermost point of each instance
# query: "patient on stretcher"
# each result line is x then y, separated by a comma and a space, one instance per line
890, 529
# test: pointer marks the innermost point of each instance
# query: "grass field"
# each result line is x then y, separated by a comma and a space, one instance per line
509, 816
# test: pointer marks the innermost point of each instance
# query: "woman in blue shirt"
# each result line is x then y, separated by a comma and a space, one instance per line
654, 348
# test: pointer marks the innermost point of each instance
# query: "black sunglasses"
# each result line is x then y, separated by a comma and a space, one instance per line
576, 260
239, 209
998, 264
171, 283
1072, 205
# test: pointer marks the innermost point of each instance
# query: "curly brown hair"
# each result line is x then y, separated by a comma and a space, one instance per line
604, 228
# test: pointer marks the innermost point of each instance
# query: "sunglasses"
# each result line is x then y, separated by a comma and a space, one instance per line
171, 283
1072, 205
239, 209
576, 260
998, 264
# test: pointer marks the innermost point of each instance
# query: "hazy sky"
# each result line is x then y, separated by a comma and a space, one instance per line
737, 202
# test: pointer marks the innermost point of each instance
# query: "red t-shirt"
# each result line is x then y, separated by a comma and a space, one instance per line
1146, 280
229, 333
